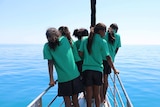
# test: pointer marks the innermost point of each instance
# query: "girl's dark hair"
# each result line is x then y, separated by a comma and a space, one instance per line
94, 30
65, 32
111, 37
54, 34
114, 26
76, 33
79, 33
84, 32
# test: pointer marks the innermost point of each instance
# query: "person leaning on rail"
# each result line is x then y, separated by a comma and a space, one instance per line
58, 52
114, 42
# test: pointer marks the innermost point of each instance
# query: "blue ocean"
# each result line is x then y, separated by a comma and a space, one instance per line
24, 75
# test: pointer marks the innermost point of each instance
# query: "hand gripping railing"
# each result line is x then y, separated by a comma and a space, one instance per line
116, 97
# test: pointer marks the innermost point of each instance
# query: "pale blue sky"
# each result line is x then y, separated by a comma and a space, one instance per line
26, 21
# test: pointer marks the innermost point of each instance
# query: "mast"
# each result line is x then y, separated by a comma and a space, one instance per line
93, 12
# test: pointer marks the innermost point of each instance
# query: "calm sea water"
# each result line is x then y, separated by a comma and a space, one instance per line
24, 75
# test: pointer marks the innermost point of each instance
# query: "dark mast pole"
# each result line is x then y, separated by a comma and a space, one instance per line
93, 13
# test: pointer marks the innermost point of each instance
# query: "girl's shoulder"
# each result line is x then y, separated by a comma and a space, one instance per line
46, 45
117, 35
84, 39
63, 38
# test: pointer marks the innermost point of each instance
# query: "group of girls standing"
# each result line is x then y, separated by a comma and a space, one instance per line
79, 64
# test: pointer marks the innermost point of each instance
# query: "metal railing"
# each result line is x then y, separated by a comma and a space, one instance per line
117, 94
37, 102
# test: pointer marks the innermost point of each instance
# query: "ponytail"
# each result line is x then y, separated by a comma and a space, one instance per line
90, 40
94, 30
65, 32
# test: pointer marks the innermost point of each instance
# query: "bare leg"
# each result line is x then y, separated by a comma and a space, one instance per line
89, 95
75, 100
101, 89
105, 86
67, 101
96, 91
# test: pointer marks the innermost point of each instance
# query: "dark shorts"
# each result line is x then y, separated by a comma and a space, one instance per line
70, 88
92, 77
107, 68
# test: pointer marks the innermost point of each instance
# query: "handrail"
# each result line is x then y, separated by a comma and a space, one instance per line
114, 83
37, 101
129, 104
52, 100
116, 91
114, 98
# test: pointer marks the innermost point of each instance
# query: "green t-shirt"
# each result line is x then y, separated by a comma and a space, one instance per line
94, 61
78, 43
75, 52
114, 46
63, 60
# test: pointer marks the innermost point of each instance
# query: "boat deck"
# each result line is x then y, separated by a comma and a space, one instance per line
82, 102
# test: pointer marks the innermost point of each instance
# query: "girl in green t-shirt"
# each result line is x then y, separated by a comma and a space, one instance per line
114, 42
66, 33
59, 53
93, 50
79, 34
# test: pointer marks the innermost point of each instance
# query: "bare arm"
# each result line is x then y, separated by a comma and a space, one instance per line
50, 69
80, 54
111, 64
